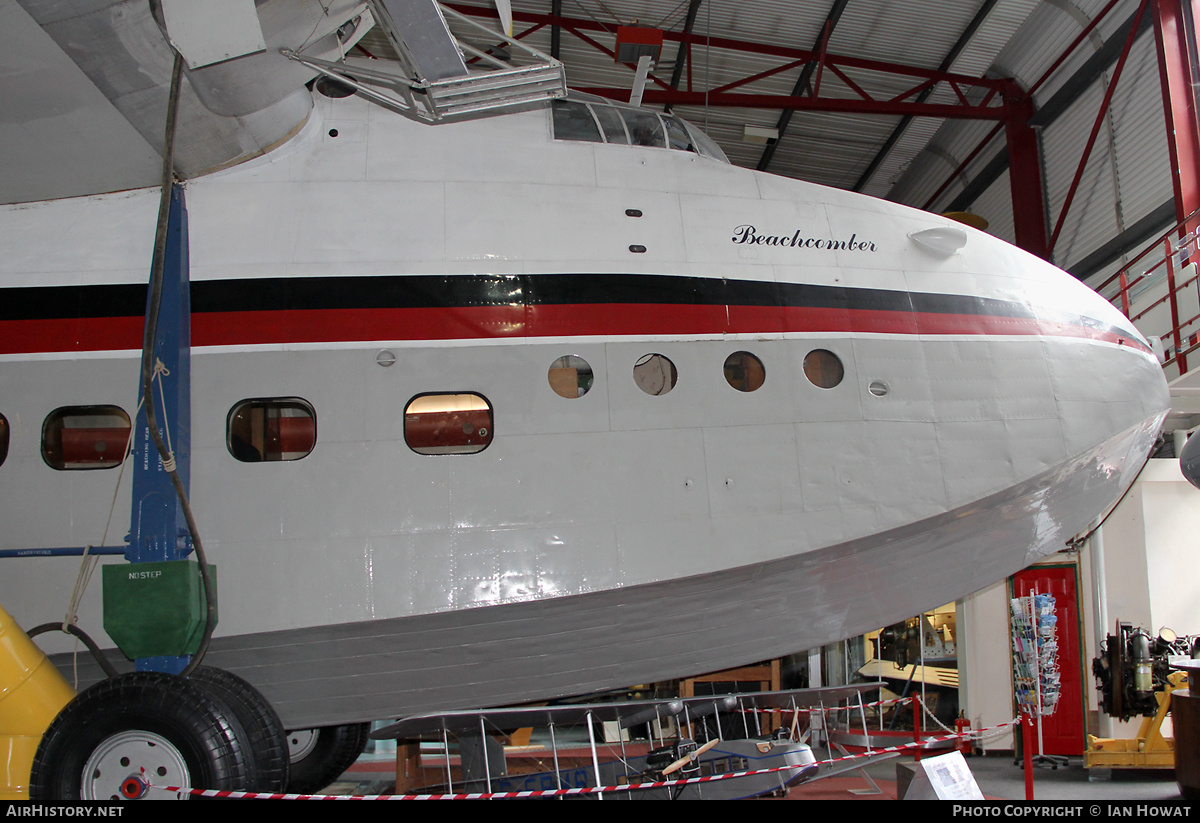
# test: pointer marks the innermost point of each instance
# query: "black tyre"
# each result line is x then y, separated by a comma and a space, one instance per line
265, 734
142, 723
319, 756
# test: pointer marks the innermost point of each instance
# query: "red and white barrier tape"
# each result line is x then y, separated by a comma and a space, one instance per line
925, 741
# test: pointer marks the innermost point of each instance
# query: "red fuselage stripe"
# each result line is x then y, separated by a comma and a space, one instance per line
250, 328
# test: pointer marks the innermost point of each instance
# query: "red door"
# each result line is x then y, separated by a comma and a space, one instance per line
1063, 731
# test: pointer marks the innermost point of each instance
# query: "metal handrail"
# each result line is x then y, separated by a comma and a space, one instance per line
472, 94
1153, 244
1178, 246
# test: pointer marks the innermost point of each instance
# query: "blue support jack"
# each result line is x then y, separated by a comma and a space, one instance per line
158, 530
155, 610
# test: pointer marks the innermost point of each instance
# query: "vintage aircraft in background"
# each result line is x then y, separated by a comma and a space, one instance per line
667, 740
713, 747
473, 411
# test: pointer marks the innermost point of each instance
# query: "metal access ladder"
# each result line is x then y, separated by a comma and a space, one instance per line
437, 85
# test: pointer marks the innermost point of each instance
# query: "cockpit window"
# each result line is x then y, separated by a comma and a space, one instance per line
677, 135
612, 124
598, 121
645, 129
705, 144
574, 121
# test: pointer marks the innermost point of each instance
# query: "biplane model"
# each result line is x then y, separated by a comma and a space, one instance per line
474, 410
741, 745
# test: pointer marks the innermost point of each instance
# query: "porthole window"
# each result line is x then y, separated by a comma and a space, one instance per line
271, 429
3, 439
570, 376
84, 437
655, 374
744, 371
451, 423
823, 368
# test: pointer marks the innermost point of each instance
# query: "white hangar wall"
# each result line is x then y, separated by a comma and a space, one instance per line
1151, 579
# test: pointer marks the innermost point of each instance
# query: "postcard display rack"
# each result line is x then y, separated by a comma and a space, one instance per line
1035, 660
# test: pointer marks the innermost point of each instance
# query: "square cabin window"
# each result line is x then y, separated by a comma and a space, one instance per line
271, 429
448, 423
85, 437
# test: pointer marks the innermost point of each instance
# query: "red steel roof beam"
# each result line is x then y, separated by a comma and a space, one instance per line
1045, 76
491, 51
1176, 39
1025, 176
683, 54
1074, 43
841, 75
963, 165
917, 91
1087, 150
785, 101
760, 76
578, 26
1175, 36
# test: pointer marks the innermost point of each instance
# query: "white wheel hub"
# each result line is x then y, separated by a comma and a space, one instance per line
301, 743
136, 754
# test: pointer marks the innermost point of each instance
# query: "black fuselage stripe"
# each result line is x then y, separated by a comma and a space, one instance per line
457, 291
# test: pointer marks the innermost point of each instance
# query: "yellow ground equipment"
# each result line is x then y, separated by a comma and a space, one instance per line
1134, 675
1149, 750
32, 693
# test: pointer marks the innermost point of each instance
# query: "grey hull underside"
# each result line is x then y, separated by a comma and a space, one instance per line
519, 652
500, 655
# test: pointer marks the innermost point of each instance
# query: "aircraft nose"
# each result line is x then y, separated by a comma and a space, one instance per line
1101, 379
1115, 383
1111, 393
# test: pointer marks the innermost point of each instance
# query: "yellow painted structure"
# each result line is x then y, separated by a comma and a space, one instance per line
32, 693
1149, 750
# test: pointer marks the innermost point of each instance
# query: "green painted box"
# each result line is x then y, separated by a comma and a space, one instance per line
155, 609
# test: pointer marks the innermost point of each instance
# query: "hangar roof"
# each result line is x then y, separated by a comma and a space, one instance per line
901, 99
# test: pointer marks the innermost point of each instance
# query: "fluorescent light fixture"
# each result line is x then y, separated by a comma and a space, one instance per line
759, 135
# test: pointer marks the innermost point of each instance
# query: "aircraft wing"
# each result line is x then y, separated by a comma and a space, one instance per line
86, 89
87, 85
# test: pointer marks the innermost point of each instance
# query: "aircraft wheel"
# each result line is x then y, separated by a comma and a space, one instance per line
319, 756
268, 742
136, 728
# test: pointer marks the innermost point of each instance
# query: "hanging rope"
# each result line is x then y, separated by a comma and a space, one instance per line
161, 371
153, 307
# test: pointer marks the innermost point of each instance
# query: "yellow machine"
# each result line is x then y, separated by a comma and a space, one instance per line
1149, 750
1134, 675
32, 693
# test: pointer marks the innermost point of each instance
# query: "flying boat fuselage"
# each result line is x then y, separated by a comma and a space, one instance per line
481, 415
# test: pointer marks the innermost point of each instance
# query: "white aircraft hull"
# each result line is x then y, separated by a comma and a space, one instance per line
599, 541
